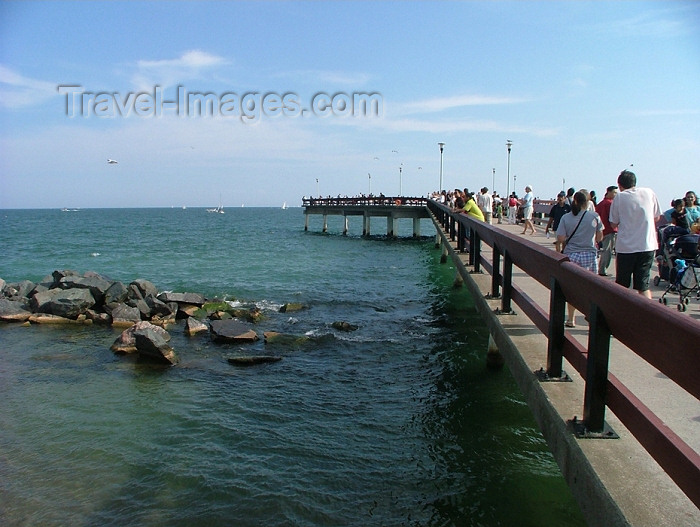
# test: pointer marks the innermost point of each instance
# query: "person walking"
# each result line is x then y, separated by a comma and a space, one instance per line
485, 203
528, 206
634, 212
555, 215
512, 209
579, 232
609, 233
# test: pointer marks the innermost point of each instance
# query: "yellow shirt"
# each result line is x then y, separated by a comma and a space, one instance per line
473, 210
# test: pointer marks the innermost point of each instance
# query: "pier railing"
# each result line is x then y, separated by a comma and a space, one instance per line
362, 201
612, 312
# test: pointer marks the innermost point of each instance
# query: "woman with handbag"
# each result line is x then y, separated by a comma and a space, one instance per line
580, 231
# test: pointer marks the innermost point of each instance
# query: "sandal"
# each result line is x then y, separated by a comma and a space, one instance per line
569, 324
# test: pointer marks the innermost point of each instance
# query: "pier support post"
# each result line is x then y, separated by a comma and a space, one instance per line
306, 222
416, 227
325, 223
365, 225
391, 227
345, 225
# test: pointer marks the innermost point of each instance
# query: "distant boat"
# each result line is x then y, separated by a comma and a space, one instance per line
284, 205
219, 209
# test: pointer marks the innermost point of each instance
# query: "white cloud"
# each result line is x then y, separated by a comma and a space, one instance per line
169, 72
458, 101
17, 91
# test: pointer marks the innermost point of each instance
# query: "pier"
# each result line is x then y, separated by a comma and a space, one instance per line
391, 208
616, 398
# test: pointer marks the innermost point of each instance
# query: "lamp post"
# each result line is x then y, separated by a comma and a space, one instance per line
509, 143
401, 179
317, 193
442, 147
370, 183
493, 180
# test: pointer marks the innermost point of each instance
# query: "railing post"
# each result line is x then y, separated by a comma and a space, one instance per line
595, 392
555, 337
496, 273
507, 285
475, 241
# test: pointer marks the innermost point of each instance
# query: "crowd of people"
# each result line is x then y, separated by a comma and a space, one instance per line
624, 224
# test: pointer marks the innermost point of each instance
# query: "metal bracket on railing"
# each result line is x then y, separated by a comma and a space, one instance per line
543, 376
581, 431
499, 311
489, 296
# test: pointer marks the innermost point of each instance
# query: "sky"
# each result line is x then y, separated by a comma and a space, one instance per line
253, 103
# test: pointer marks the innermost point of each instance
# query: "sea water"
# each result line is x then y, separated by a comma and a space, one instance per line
399, 422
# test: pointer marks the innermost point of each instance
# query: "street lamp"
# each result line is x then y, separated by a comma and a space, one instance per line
400, 180
493, 180
442, 146
509, 143
370, 183
317, 193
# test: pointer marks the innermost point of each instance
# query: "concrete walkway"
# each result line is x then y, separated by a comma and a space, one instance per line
641, 494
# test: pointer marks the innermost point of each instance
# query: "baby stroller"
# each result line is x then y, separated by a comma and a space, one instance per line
683, 276
665, 255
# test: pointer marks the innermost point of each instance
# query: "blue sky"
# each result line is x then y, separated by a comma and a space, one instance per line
583, 89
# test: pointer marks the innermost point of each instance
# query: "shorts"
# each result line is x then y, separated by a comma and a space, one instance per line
588, 260
637, 265
527, 213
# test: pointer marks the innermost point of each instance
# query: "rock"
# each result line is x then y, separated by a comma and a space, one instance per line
187, 310
152, 344
343, 326
252, 360
48, 318
123, 315
126, 342
232, 331
18, 289
67, 303
275, 338
58, 275
158, 307
194, 326
185, 298
2, 284
98, 317
164, 320
291, 306
94, 282
13, 310
116, 293
145, 287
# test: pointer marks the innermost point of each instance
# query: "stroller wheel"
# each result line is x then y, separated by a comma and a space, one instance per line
663, 300
657, 279
681, 307
687, 301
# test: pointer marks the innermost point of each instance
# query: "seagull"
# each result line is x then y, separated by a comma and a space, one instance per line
112, 162
395, 151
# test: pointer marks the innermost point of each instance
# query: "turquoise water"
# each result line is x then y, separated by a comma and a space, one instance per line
397, 423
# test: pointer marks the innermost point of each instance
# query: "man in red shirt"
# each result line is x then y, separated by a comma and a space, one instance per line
609, 233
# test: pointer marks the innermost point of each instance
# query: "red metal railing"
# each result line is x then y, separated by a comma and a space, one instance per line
610, 310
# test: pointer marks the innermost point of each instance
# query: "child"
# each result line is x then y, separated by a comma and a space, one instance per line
679, 217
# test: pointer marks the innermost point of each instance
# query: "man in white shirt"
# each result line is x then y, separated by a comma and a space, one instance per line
485, 203
634, 212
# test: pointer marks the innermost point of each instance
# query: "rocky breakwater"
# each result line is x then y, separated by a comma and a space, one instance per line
68, 297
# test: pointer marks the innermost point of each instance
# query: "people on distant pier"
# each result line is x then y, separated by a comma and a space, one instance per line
579, 232
634, 212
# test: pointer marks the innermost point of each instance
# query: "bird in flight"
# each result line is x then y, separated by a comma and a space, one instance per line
112, 162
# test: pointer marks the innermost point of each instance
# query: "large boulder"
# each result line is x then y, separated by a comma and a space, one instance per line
18, 289
145, 287
116, 293
97, 285
194, 326
151, 344
126, 342
232, 331
184, 298
67, 303
123, 315
13, 310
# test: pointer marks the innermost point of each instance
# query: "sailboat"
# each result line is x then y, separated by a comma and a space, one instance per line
284, 206
219, 209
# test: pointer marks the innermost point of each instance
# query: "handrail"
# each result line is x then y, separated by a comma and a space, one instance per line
610, 310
